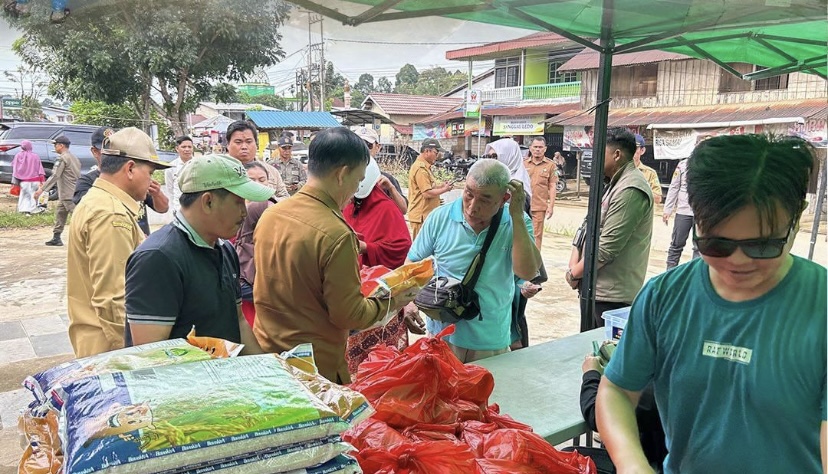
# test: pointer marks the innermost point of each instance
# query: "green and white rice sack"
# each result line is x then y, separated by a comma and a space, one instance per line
165, 418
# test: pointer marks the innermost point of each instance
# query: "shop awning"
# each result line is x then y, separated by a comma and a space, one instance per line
268, 120
702, 117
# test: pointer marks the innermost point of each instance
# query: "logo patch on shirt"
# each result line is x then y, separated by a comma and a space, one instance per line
729, 352
123, 225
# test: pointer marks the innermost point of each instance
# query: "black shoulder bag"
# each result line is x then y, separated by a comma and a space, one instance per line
448, 300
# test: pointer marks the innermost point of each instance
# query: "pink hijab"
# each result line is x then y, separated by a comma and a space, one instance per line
26, 165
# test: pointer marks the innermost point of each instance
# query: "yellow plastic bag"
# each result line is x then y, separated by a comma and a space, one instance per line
413, 275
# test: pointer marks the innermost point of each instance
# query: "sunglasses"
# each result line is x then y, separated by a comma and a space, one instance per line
759, 249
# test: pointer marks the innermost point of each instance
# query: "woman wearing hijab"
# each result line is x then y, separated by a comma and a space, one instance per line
507, 151
383, 240
28, 171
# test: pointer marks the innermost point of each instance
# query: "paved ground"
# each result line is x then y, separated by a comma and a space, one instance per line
33, 305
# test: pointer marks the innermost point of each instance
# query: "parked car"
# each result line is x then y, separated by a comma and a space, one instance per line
41, 134
300, 152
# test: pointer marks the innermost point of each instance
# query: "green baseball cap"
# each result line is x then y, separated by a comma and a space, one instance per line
209, 172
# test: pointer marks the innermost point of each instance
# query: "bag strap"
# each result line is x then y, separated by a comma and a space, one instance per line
473, 273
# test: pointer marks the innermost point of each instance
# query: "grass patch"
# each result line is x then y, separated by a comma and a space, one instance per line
564, 230
159, 176
16, 220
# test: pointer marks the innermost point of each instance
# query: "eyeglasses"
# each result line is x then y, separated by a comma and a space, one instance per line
759, 249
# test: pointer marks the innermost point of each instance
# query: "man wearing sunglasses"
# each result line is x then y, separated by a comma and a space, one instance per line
734, 342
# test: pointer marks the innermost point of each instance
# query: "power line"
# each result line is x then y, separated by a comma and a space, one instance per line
421, 43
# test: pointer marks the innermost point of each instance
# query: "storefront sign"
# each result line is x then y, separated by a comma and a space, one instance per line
576, 138
473, 104
441, 130
520, 125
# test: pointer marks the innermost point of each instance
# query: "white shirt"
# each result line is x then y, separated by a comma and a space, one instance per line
171, 188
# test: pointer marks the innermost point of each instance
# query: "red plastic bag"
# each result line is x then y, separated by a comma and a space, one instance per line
373, 434
368, 276
533, 451
15, 190
493, 415
436, 457
433, 432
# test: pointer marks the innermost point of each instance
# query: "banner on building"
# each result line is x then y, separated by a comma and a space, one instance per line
473, 104
441, 130
577, 138
519, 125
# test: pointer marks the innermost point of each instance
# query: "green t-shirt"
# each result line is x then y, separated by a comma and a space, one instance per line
740, 386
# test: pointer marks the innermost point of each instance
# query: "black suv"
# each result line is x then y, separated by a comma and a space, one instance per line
41, 134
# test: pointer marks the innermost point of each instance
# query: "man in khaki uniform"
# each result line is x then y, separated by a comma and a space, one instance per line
291, 170
307, 272
423, 193
103, 233
241, 145
65, 174
649, 174
543, 177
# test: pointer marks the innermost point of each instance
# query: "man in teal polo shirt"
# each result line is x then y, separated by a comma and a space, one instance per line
454, 233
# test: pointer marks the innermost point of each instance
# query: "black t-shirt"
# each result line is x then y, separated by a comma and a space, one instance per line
172, 281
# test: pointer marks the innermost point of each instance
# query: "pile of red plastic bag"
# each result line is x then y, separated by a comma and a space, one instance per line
432, 416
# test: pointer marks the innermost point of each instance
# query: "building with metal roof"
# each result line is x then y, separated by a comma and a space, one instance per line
279, 120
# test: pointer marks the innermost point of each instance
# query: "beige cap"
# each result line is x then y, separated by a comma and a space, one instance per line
132, 143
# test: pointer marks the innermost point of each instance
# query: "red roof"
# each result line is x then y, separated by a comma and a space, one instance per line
706, 114
505, 111
404, 104
403, 129
535, 40
588, 59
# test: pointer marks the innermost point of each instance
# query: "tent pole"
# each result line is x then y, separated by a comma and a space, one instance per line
820, 201
596, 182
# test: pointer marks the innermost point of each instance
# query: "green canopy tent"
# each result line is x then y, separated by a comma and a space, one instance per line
783, 36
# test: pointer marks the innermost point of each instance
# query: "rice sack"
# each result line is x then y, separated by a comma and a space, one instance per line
47, 386
164, 418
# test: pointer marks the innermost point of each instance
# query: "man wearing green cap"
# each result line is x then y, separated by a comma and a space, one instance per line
186, 275
102, 234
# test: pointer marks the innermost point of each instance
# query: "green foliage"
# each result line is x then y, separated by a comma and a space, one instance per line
103, 114
407, 78
384, 85
16, 220
30, 110
137, 52
433, 81
364, 84
224, 93
269, 100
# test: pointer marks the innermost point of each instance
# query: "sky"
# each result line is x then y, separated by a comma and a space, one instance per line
379, 49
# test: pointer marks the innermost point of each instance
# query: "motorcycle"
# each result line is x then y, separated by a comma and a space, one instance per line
561, 185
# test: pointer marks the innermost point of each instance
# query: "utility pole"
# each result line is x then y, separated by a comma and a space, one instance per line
316, 59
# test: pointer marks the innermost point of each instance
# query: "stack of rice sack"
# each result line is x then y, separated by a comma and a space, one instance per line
432, 416
193, 413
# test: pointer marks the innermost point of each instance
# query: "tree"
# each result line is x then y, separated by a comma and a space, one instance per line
384, 85
269, 100
30, 109
406, 79
161, 56
224, 93
437, 80
103, 114
364, 84
27, 80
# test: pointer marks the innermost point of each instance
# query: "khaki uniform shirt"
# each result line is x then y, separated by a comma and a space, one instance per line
652, 179
543, 177
103, 233
291, 172
65, 174
307, 286
420, 180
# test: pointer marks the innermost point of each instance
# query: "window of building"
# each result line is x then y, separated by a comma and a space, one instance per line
558, 77
729, 83
635, 81
507, 72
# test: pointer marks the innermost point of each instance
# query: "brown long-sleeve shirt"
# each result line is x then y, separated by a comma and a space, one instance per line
307, 286
102, 235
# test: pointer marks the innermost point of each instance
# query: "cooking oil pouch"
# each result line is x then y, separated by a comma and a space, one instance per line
166, 418
413, 275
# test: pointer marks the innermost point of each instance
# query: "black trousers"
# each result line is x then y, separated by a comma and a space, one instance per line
681, 230
600, 307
